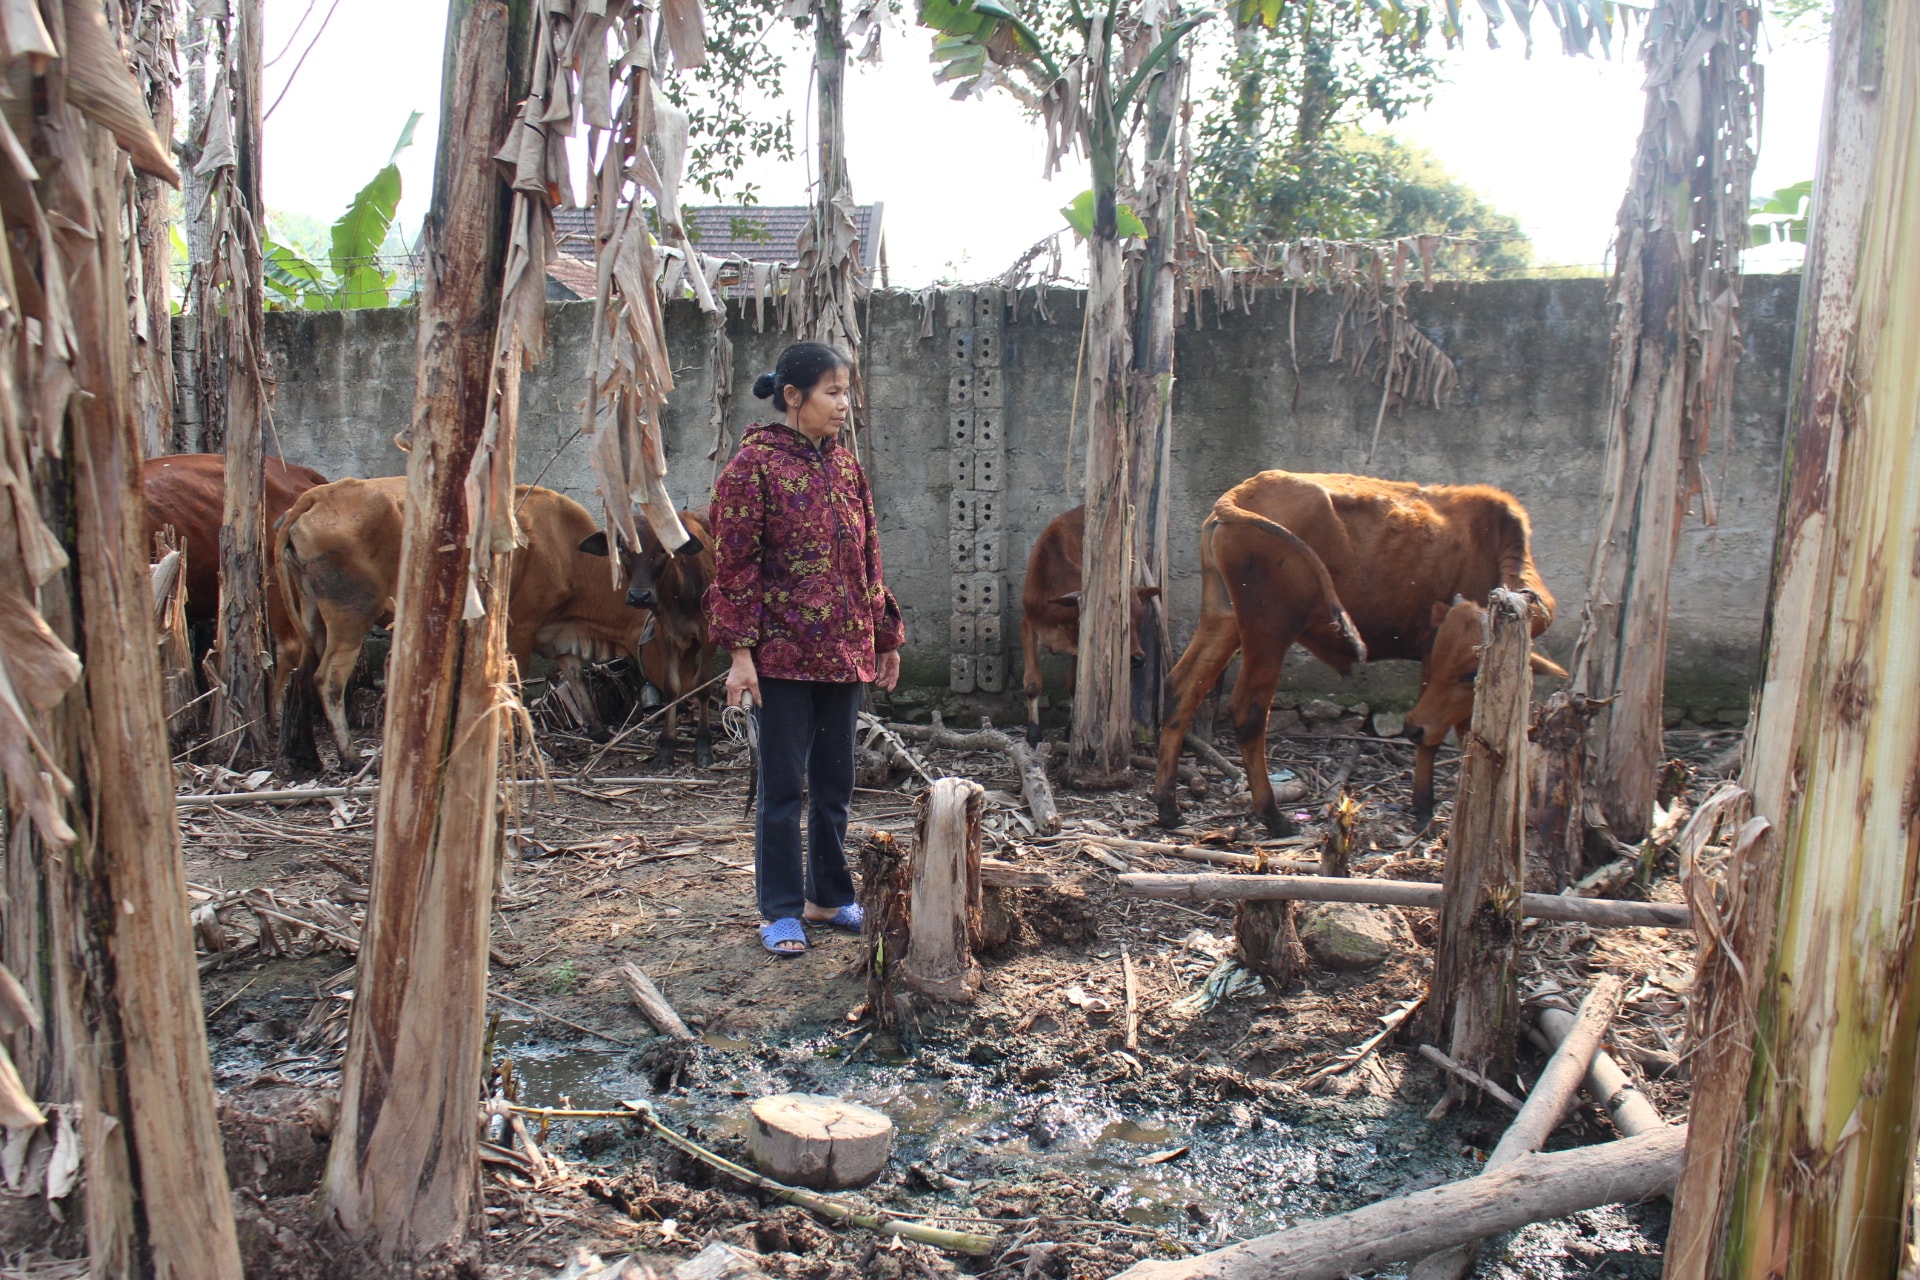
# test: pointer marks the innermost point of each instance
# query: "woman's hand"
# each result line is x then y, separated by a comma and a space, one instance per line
886, 673
743, 681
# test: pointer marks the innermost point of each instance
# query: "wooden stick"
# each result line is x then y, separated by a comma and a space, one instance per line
1200, 853
1133, 1001
652, 1005
1632, 1114
299, 795
1004, 875
1098, 854
1533, 1188
1545, 1107
1033, 767
550, 1016
1471, 1076
1401, 893
1206, 751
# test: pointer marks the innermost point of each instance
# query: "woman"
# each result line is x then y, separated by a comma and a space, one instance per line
798, 599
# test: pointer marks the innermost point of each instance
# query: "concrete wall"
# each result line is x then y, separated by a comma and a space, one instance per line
1527, 417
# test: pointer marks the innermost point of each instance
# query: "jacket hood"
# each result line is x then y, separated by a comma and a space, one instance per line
778, 435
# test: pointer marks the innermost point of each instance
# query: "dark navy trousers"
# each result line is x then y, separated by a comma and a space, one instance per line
806, 752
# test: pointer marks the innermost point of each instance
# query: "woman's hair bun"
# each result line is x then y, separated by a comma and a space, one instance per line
763, 387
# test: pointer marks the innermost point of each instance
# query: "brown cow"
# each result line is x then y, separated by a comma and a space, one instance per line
1446, 692
188, 492
1350, 567
1050, 607
675, 654
340, 562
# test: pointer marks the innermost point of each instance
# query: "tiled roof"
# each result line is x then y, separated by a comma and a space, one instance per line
774, 236
579, 277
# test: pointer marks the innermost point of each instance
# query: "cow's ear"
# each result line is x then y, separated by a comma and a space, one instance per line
1146, 593
1544, 666
595, 545
1071, 600
1440, 610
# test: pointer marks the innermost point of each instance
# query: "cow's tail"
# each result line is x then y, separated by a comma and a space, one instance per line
1334, 624
303, 611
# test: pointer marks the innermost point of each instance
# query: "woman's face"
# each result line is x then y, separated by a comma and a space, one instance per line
823, 411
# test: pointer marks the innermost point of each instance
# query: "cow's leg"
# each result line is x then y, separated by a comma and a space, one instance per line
1030, 655
345, 636
1199, 669
1252, 700
1423, 781
675, 691
702, 708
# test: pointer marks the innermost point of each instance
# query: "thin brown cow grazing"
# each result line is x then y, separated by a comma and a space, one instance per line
1050, 607
1351, 568
675, 655
340, 558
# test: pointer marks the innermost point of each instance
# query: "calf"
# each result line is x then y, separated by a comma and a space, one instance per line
1350, 567
1447, 683
340, 562
675, 654
1050, 607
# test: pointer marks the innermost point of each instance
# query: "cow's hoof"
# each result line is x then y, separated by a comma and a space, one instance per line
1169, 813
663, 758
1279, 826
1033, 735
597, 733
1422, 814
703, 754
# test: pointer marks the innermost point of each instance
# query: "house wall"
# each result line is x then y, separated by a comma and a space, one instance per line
1255, 390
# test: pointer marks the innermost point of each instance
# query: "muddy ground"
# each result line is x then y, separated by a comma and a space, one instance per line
1022, 1117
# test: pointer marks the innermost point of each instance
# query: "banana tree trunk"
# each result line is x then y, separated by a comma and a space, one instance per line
1676, 292
240, 721
94, 919
1807, 1167
402, 1183
150, 43
1101, 746
1150, 395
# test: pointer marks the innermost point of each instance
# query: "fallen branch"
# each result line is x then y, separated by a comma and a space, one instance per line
839, 1210
300, 795
1034, 787
1200, 853
1132, 988
884, 739
996, 874
653, 1005
1545, 1107
550, 1016
1347, 1061
1532, 1189
1472, 1077
1204, 750
1399, 893
1629, 1109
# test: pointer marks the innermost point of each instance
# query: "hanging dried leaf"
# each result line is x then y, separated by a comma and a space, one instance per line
99, 83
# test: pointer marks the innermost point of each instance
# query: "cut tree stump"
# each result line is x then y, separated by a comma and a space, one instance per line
1268, 940
1473, 1001
886, 890
1556, 781
1031, 765
944, 914
811, 1140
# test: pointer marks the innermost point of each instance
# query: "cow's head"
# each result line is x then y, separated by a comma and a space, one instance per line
1138, 621
1446, 699
656, 576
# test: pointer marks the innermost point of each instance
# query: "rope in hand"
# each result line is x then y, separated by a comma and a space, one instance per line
741, 725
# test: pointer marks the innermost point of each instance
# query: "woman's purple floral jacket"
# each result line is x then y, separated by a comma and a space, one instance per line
798, 561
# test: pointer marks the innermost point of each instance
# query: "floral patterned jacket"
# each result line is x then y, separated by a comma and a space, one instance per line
797, 555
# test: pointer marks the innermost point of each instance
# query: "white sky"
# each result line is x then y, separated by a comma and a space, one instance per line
1548, 140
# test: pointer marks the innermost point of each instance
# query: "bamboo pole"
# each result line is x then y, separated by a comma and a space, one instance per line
1199, 853
1629, 1109
1541, 1114
1473, 998
402, 1185
1399, 893
1533, 1188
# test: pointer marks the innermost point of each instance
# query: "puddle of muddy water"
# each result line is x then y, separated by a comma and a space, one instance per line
1244, 1168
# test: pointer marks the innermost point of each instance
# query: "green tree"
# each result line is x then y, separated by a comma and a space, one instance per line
744, 67
1272, 144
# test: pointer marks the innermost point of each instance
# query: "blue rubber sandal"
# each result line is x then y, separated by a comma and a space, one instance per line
789, 930
849, 917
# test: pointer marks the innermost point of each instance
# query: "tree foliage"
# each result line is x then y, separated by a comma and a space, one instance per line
743, 68
355, 276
